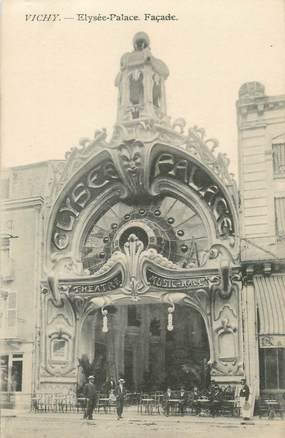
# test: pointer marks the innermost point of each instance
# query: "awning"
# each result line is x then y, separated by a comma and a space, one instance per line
270, 295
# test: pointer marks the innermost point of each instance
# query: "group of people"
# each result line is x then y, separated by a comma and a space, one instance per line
182, 397
215, 394
116, 393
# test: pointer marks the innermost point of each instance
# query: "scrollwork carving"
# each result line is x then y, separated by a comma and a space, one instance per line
78, 303
198, 145
63, 266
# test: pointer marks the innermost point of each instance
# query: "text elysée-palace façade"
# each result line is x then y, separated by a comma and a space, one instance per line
124, 17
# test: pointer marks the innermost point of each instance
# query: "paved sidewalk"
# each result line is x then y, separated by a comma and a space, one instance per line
134, 425
131, 413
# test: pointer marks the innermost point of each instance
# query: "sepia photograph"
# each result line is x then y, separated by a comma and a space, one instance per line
142, 201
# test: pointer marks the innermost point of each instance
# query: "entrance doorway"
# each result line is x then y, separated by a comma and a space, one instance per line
139, 347
173, 358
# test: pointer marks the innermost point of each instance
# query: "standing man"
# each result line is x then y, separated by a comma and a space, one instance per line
167, 399
183, 400
243, 400
120, 393
90, 394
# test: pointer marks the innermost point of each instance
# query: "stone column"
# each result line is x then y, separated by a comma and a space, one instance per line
250, 334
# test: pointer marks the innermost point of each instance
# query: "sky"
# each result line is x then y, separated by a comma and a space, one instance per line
58, 77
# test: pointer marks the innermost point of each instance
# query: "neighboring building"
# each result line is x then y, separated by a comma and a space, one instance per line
261, 126
24, 193
130, 257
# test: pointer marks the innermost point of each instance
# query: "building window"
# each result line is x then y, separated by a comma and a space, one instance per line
4, 367
5, 256
17, 372
5, 259
12, 310
133, 316
11, 372
278, 155
272, 365
280, 217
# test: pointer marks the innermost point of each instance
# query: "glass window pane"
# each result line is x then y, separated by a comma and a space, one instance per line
262, 368
18, 355
280, 216
278, 154
4, 360
16, 375
271, 368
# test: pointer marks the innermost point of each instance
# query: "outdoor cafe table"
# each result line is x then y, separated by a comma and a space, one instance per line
148, 404
104, 403
204, 404
273, 407
229, 406
158, 401
81, 403
174, 403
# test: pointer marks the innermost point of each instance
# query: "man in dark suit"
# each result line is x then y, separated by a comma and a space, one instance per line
243, 398
167, 398
195, 405
90, 394
183, 401
244, 391
215, 397
120, 393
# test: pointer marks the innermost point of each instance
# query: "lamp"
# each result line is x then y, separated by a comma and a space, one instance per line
105, 320
170, 317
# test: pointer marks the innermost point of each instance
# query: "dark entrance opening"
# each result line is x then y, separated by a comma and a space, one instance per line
139, 347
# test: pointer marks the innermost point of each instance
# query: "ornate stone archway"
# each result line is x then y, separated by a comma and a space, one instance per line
142, 269
149, 168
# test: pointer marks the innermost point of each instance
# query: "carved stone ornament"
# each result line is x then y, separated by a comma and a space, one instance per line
220, 256
134, 272
131, 158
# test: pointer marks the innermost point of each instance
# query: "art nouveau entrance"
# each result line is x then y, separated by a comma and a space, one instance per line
138, 261
142, 234
139, 346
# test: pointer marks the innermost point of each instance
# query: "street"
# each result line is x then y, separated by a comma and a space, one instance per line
134, 425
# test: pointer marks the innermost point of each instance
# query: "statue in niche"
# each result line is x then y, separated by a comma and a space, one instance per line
136, 87
156, 90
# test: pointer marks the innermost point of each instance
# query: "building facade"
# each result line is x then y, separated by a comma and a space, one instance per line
261, 150
139, 257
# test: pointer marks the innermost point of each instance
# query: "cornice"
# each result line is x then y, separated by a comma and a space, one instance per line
260, 104
16, 204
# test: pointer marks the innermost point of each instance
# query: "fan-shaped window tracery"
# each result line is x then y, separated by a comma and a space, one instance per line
167, 224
